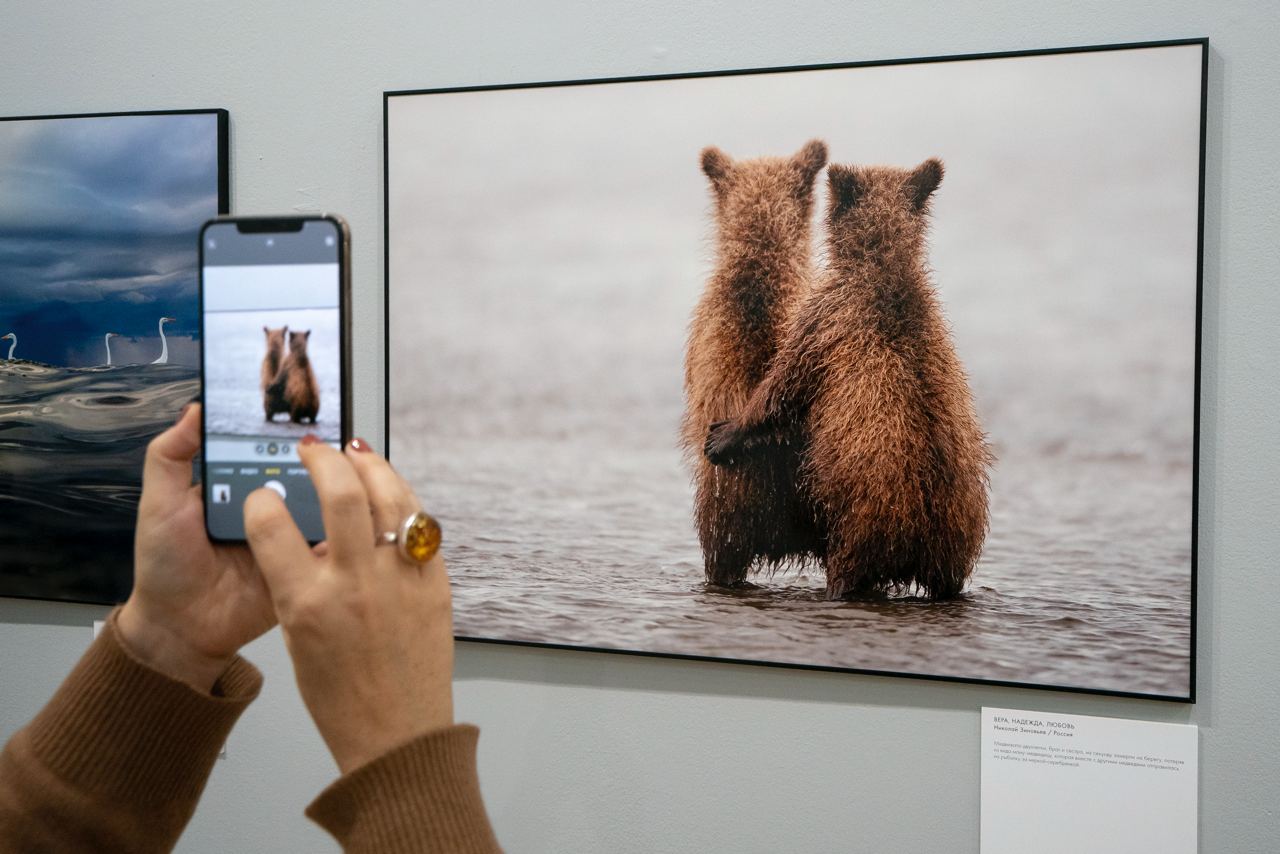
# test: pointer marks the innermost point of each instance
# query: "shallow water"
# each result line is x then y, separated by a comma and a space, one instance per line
72, 441
548, 450
602, 553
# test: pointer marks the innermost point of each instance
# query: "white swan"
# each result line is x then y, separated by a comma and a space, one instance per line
107, 340
164, 342
12, 346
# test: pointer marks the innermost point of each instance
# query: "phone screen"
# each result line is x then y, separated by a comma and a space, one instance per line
271, 298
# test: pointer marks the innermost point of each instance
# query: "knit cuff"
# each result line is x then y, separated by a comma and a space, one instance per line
421, 796
122, 729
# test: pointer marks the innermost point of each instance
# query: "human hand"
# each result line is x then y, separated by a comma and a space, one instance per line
370, 633
194, 604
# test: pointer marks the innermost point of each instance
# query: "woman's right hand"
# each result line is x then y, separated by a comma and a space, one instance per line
370, 633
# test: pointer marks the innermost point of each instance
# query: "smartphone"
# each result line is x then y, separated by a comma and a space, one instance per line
275, 295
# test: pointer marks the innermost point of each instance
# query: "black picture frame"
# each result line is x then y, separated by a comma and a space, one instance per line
107, 578
390, 369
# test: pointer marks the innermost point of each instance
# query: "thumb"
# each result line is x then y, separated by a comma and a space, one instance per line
278, 546
166, 474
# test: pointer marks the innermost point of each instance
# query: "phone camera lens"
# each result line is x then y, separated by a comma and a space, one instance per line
271, 241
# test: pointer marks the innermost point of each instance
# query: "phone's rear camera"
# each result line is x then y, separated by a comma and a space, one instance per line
271, 241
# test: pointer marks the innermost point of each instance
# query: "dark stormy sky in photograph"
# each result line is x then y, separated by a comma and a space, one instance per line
98, 225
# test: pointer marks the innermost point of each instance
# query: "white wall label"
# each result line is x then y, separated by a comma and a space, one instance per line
1070, 783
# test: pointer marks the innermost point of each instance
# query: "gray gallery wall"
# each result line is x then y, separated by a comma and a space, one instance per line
588, 752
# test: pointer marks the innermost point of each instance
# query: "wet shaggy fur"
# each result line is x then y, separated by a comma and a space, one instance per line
752, 513
294, 390
271, 365
896, 459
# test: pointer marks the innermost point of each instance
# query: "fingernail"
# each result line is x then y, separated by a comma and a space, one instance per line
186, 407
358, 444
310, 439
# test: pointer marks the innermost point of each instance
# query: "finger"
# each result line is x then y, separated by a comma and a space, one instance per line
344, 503
390, 497
278, 546
166, 473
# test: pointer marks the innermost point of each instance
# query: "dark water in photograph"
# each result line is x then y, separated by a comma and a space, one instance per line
72, 441
542, 275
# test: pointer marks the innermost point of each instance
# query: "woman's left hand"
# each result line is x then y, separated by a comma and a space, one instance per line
194, 603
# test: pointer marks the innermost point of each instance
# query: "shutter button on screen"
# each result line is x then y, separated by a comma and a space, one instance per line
277, 486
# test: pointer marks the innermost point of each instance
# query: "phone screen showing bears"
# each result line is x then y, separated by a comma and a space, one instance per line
271, 298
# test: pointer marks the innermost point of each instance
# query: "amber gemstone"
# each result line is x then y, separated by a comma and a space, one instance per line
422, 538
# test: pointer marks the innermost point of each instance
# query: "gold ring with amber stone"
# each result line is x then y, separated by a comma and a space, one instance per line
418, 538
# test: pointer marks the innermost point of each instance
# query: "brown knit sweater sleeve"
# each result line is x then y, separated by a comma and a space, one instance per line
423, 796
118, 758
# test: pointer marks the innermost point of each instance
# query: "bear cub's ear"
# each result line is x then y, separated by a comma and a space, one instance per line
846, 192
811, 158
717, 165
923, 181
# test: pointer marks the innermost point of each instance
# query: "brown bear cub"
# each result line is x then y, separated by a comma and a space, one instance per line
271, 365
753, 512
896, 458
294, 390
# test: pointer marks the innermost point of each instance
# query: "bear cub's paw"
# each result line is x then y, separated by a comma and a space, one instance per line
724, 443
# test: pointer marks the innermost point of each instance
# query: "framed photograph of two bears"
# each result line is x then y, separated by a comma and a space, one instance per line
885, 367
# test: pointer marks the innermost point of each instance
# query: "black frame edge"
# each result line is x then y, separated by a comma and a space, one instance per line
821, 66
1199, 345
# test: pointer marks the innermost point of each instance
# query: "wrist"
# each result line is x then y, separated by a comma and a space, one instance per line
164, 649
357, 746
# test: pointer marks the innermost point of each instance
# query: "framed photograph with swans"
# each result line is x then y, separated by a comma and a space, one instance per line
99, 216
887, 367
